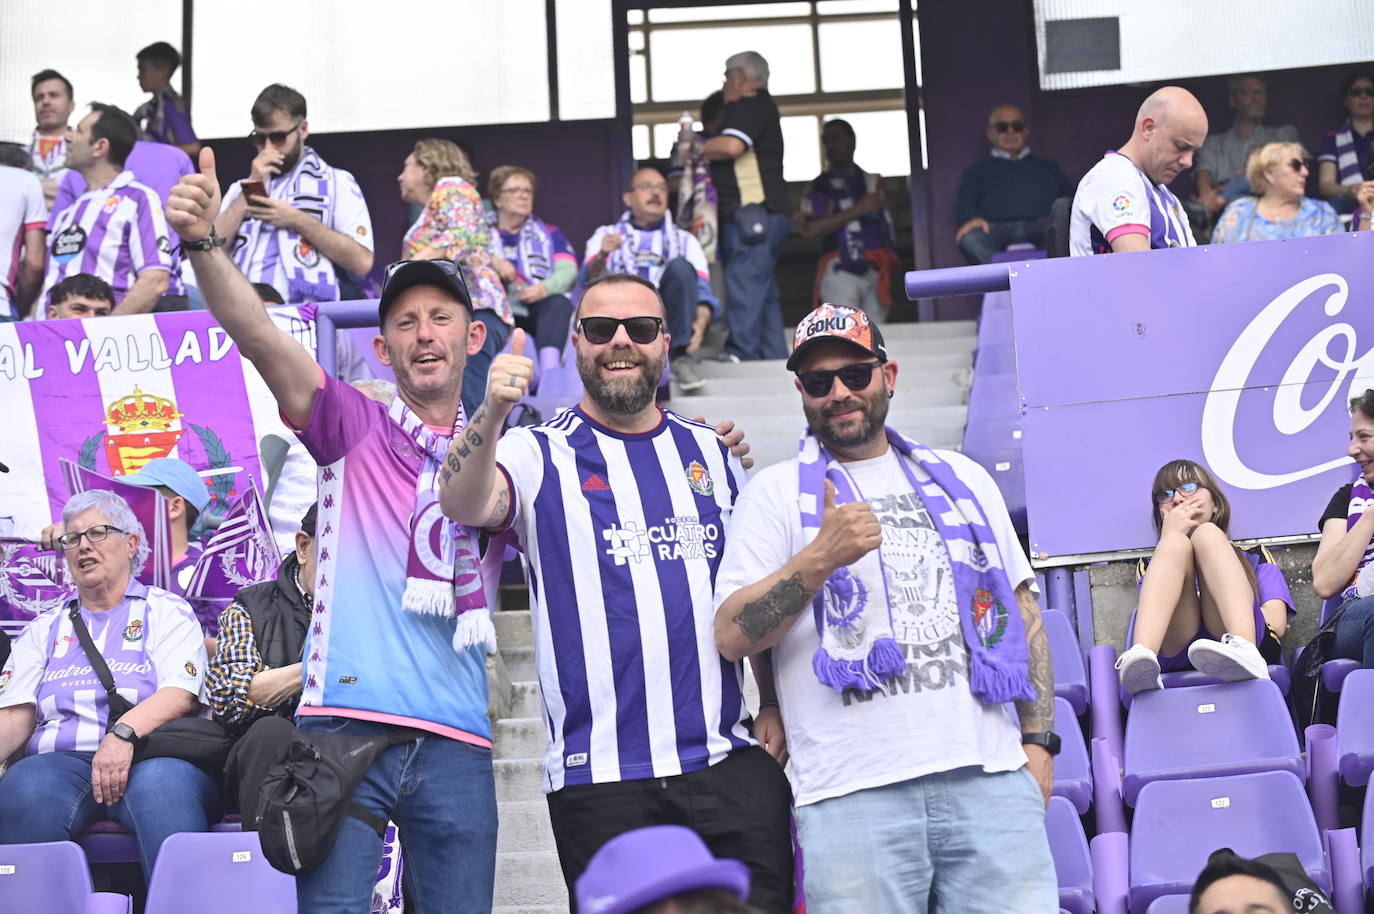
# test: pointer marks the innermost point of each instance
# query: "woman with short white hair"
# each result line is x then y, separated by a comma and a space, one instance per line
79, 765
1278, 174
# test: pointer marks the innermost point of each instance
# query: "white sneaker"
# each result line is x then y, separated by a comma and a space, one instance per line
1138, 667
1232, 659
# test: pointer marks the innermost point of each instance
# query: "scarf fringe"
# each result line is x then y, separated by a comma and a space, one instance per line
475, 629
867, 674
996, 681
428, 597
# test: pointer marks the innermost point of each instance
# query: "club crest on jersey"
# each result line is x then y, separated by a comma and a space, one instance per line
111, 203
699, 479
190, 668
306, 255
989, 617
133, 632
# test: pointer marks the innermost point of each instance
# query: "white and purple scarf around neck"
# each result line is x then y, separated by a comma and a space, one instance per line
857, 647
1360, 498
445, 577
1347, 161
533, 248
645, 252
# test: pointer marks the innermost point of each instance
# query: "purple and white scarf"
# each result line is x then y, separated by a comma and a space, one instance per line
444, 578
857, 647
1361, 496
645, 252
697, 199
1347, 162
533, 248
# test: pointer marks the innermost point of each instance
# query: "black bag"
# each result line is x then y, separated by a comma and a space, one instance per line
305, 796
752, 221
1305, 692
201, 741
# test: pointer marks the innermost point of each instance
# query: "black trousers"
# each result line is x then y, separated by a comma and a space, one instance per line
741, 807
260, 747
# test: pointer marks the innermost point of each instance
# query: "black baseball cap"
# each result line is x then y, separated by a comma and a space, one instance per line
308, 521
403, 274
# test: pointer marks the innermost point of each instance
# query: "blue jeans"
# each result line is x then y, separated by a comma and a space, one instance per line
48, 797
979, 246
1355, 632
441, 793
753, 311
957, 841
678, 288
475, 373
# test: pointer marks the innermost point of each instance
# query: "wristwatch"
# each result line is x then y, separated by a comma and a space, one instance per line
1048, 741
126, 733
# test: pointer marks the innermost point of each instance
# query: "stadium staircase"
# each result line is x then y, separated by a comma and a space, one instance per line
935, 362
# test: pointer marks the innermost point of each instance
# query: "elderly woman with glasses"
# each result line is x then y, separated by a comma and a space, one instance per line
79, 765
1344, 159
1278, 173
1205, 603
453, 226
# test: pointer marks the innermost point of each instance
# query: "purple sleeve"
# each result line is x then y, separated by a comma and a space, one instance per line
177, 123
340, 417
1327, 151
72, 186
560, 242
1272, 586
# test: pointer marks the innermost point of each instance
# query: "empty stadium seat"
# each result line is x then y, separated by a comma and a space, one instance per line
108, 903
1072, 863
1070, 674
1169, 904
1207, 731
1178, 824
108, 842
1072, 772
1355, 729
217, 873
50, 877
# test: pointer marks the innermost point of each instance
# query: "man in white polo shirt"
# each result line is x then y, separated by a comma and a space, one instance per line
21, 239
1124, 202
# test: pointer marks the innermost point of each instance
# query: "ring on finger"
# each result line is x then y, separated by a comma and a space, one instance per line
514, 381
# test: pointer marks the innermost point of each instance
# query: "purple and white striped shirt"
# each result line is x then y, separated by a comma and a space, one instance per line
115, 232
151, 640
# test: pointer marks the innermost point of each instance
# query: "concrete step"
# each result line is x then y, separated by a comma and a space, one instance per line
723, 396
524, 879
525, 828
519, 738
531, 909
923, 356
520, 663
518, 780
513, 628
525, 699
931, 330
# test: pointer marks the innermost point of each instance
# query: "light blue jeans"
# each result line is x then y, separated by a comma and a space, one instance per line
956, 842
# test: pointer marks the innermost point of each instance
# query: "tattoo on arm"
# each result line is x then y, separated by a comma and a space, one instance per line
498, 514
761, 617
473, 437
1036, 716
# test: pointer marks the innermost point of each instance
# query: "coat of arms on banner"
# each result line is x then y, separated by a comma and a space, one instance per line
31, 581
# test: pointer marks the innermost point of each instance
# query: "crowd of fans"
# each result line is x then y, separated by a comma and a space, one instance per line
655, 563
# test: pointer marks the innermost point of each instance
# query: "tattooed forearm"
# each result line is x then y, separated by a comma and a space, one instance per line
498, 514
1036, 716
786, 598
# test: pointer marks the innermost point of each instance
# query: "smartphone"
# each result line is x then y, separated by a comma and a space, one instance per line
254, 188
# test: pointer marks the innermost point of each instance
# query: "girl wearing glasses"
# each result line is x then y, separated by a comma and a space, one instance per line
1205, 603
1278, 173
1343, 161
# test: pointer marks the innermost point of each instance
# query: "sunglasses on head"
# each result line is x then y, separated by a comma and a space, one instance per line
855, 377
276, 136
600, 330
1005, 126
1164, 496
1357, 91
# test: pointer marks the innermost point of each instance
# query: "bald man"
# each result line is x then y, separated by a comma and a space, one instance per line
1124, 203
1005, 199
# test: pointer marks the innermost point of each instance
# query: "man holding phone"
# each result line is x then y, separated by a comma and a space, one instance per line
295, 220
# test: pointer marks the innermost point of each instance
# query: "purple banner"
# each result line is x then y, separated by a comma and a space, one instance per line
1242, 357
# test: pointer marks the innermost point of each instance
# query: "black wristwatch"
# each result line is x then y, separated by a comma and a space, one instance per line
208, 243
126, 733
1048, 741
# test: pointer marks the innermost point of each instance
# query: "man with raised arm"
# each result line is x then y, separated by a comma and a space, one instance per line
1124, 203
620, 508
399, 628
887, 583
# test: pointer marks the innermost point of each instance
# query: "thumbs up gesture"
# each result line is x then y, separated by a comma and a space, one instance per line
194, 202
848, 531
509, 377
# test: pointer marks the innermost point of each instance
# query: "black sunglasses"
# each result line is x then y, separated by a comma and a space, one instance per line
1004, 126
1357, 91
276, 136
1298, 164
600, 330
855, 377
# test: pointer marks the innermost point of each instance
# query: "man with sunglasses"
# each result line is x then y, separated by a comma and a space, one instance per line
399, 628
887, 584
313, 220
1220, 173
620, 508
1005, 199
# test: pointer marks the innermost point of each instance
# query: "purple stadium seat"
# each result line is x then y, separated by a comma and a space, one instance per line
1018, 253
1070, 675
50, 877
108, 903
993, 396
108, 842
1168, 904
993, 435
1208, 731
1355, 729
1072, 773
217, 873
995, 359
1072, 863
1179, 823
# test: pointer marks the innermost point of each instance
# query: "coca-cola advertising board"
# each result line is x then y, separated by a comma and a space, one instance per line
1241, 356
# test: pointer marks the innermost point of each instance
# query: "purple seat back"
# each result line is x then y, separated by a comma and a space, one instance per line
1073, 778
1070, 673
108, 903
50, 877
217, 873
108, 842
1208, 731
1072, 864
1168, 904
1178, 824
1355, 729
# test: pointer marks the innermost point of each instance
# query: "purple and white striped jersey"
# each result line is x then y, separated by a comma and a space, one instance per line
24, 210
151, 640
285, 260
622, 536
115, 232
